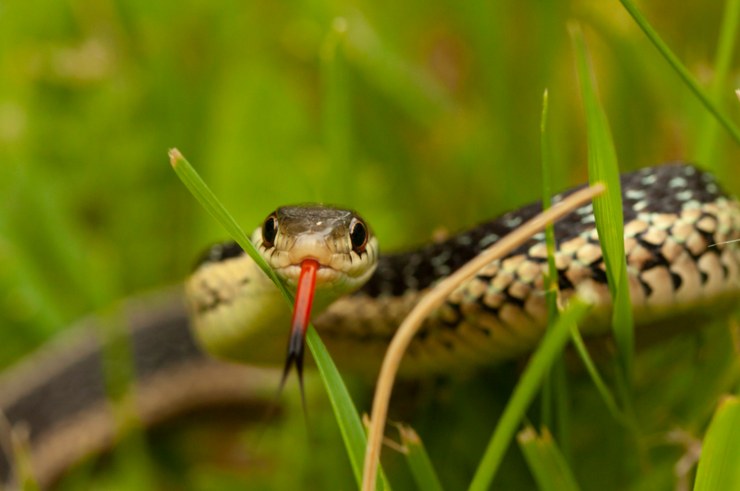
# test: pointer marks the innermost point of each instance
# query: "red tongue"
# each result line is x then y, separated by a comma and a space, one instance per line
303, 301
301, 317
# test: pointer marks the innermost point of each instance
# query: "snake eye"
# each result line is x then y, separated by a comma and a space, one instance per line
269, 231
358, 236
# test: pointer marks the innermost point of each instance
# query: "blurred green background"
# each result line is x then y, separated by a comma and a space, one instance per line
423, 115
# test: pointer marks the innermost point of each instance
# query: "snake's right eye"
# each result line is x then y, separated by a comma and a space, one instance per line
269, 231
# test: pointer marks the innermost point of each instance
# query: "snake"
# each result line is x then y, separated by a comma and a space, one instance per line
681, 233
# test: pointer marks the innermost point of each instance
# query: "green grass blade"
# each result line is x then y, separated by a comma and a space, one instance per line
603, 167
682, 71
555, 388
598, 381
421, 466
546, 461
707, 140
550, 294
719, 466
551, 280
347, 417
550, 348
558, 379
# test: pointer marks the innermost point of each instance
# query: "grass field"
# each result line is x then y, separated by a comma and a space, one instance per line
423, 115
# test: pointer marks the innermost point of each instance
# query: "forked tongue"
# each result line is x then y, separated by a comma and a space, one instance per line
301, 317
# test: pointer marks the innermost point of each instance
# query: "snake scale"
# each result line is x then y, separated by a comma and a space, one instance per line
682, 266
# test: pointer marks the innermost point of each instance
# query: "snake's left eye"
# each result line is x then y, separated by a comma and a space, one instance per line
269, 231
358, 236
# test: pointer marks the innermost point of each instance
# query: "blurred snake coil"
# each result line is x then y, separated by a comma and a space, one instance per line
683, 262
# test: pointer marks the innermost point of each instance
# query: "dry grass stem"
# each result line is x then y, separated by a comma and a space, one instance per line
434, 299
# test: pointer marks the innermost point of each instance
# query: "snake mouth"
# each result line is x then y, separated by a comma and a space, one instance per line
327, 277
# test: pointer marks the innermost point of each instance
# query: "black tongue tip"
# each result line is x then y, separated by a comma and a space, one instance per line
296, 350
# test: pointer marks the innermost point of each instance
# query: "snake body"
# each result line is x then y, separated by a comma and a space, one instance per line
679, 228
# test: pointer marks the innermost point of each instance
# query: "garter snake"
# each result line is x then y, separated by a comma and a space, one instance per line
682, 266
677, 227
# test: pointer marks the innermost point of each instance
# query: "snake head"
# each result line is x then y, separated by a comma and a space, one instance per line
339, 240
318, 251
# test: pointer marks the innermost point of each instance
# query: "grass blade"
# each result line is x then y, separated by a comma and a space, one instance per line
550, 294
551, 347
345, 412
596, 378
555, 388
719, 466
682, 71
551, 283
602, 167
418, 460
707, 140
546, 461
